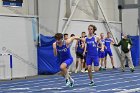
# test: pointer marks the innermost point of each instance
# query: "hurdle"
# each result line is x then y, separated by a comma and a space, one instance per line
10, 64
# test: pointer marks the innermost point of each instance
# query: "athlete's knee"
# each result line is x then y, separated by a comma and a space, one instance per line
129, 58
82, 61
63, 66
111, 57
89, 68
96, 69
77, 59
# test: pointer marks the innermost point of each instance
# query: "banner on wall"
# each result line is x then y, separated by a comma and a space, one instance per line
12, 3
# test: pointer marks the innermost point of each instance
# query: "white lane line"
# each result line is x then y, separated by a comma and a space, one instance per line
26, 88
118, 88
130, 90
86, 89
54, 88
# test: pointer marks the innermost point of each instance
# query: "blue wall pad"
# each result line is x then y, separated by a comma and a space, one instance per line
47, 62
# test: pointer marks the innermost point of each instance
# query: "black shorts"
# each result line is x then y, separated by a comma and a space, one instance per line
79, 55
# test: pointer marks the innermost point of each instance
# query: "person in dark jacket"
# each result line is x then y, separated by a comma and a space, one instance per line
125, 44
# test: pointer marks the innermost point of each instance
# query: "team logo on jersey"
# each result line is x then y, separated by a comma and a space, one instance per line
62, 50
107, 41
92, 42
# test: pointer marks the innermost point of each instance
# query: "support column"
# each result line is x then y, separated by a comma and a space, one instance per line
120, 7
37, 23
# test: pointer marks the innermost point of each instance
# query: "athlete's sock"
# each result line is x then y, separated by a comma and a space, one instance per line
67, 76
70, 78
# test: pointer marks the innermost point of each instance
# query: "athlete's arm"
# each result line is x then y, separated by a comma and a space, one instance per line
54, 49
83, 40
76, 46
117, 45
98, 44
102, 45
112, 41
70, 40
83, 45
85, 49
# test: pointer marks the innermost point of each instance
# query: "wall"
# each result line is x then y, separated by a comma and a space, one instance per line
48, 16
89, 9
17, 39
110, 9
130, 21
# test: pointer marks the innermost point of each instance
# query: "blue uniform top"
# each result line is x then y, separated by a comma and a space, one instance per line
91, 46
107, 43
63, 52
79, 48
103, 42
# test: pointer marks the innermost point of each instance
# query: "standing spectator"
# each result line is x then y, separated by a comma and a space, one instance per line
125, 44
